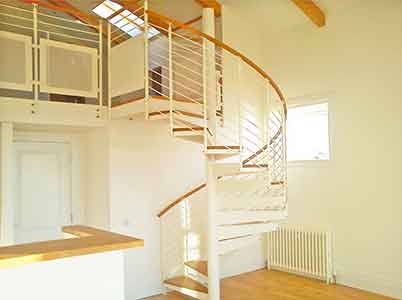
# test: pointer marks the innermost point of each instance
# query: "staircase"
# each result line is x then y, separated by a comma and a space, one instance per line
211, 94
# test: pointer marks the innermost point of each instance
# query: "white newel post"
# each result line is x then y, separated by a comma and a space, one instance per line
6, 141
208, 27
146, 58
213, 244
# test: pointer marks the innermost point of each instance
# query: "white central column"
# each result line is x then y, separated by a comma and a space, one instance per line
208, 27
6, 213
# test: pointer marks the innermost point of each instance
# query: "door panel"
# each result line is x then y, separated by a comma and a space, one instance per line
42, 191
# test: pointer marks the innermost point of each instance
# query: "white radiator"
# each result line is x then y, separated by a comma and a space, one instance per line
307, 253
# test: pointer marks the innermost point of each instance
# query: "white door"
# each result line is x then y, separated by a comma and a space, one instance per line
42, 191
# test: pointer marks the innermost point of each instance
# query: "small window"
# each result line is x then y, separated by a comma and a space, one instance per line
123, 19
308, 133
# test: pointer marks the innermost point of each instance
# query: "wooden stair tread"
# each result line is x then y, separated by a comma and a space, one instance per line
178, 112
181, 129
189, 114
175, 295
255, 166
230, 147
201, 266
187, 283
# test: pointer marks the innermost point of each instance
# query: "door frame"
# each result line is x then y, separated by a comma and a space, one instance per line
70, 140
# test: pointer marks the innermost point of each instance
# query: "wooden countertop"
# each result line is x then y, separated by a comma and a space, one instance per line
85, 240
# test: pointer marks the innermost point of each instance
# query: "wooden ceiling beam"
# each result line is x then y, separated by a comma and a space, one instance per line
312, 11
211, 4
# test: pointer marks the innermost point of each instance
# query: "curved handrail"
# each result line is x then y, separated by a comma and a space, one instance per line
178, 24
226, 47
204, 185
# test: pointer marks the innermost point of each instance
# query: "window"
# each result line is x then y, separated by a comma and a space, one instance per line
308, 133
122, 18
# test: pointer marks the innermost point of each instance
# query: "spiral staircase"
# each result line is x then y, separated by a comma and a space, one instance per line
213, 95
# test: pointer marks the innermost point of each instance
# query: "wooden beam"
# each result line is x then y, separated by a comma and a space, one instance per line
211, 4
312, 11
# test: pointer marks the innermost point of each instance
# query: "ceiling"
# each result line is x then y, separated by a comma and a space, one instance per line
282, 15
273, 15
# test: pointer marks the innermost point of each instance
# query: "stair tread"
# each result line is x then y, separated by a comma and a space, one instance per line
201, 266
187, 283
224, 147
175, 295
189, 114
188, 128
255, 166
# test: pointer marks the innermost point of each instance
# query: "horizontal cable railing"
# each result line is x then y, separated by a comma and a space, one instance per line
251, 116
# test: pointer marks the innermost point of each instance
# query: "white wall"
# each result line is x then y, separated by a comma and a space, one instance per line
97, 179
356, 62
148, 169
6, 139
96, 276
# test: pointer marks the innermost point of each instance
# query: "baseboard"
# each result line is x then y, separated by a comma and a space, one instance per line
375, 283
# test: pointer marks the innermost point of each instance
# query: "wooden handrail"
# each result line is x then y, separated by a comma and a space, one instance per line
224, 46
167, 20
202, 186
181, 199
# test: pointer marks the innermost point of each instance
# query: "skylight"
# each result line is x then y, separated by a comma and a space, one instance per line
122, 18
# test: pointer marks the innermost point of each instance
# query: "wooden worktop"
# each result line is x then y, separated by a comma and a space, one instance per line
85, 240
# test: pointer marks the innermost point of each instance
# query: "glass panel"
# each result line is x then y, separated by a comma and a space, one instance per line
135, 32
103, 11
116, 19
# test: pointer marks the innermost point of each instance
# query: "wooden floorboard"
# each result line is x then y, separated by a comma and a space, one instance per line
273, 285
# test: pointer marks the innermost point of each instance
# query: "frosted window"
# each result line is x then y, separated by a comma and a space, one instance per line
69, 69
15, 61
307, 133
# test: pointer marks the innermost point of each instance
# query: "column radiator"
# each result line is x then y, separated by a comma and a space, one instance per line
306, 253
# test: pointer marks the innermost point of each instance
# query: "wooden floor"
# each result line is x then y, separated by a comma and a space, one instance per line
273, 285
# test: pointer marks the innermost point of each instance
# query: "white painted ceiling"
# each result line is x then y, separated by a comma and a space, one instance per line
282, 15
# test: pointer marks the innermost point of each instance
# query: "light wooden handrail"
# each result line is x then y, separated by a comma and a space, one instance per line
181, 199
178, 24
167, 20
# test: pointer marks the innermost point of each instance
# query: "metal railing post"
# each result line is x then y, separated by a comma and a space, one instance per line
146, 58
36, 58
100, 71
205, 92
171, 79
239, 118
109, 67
